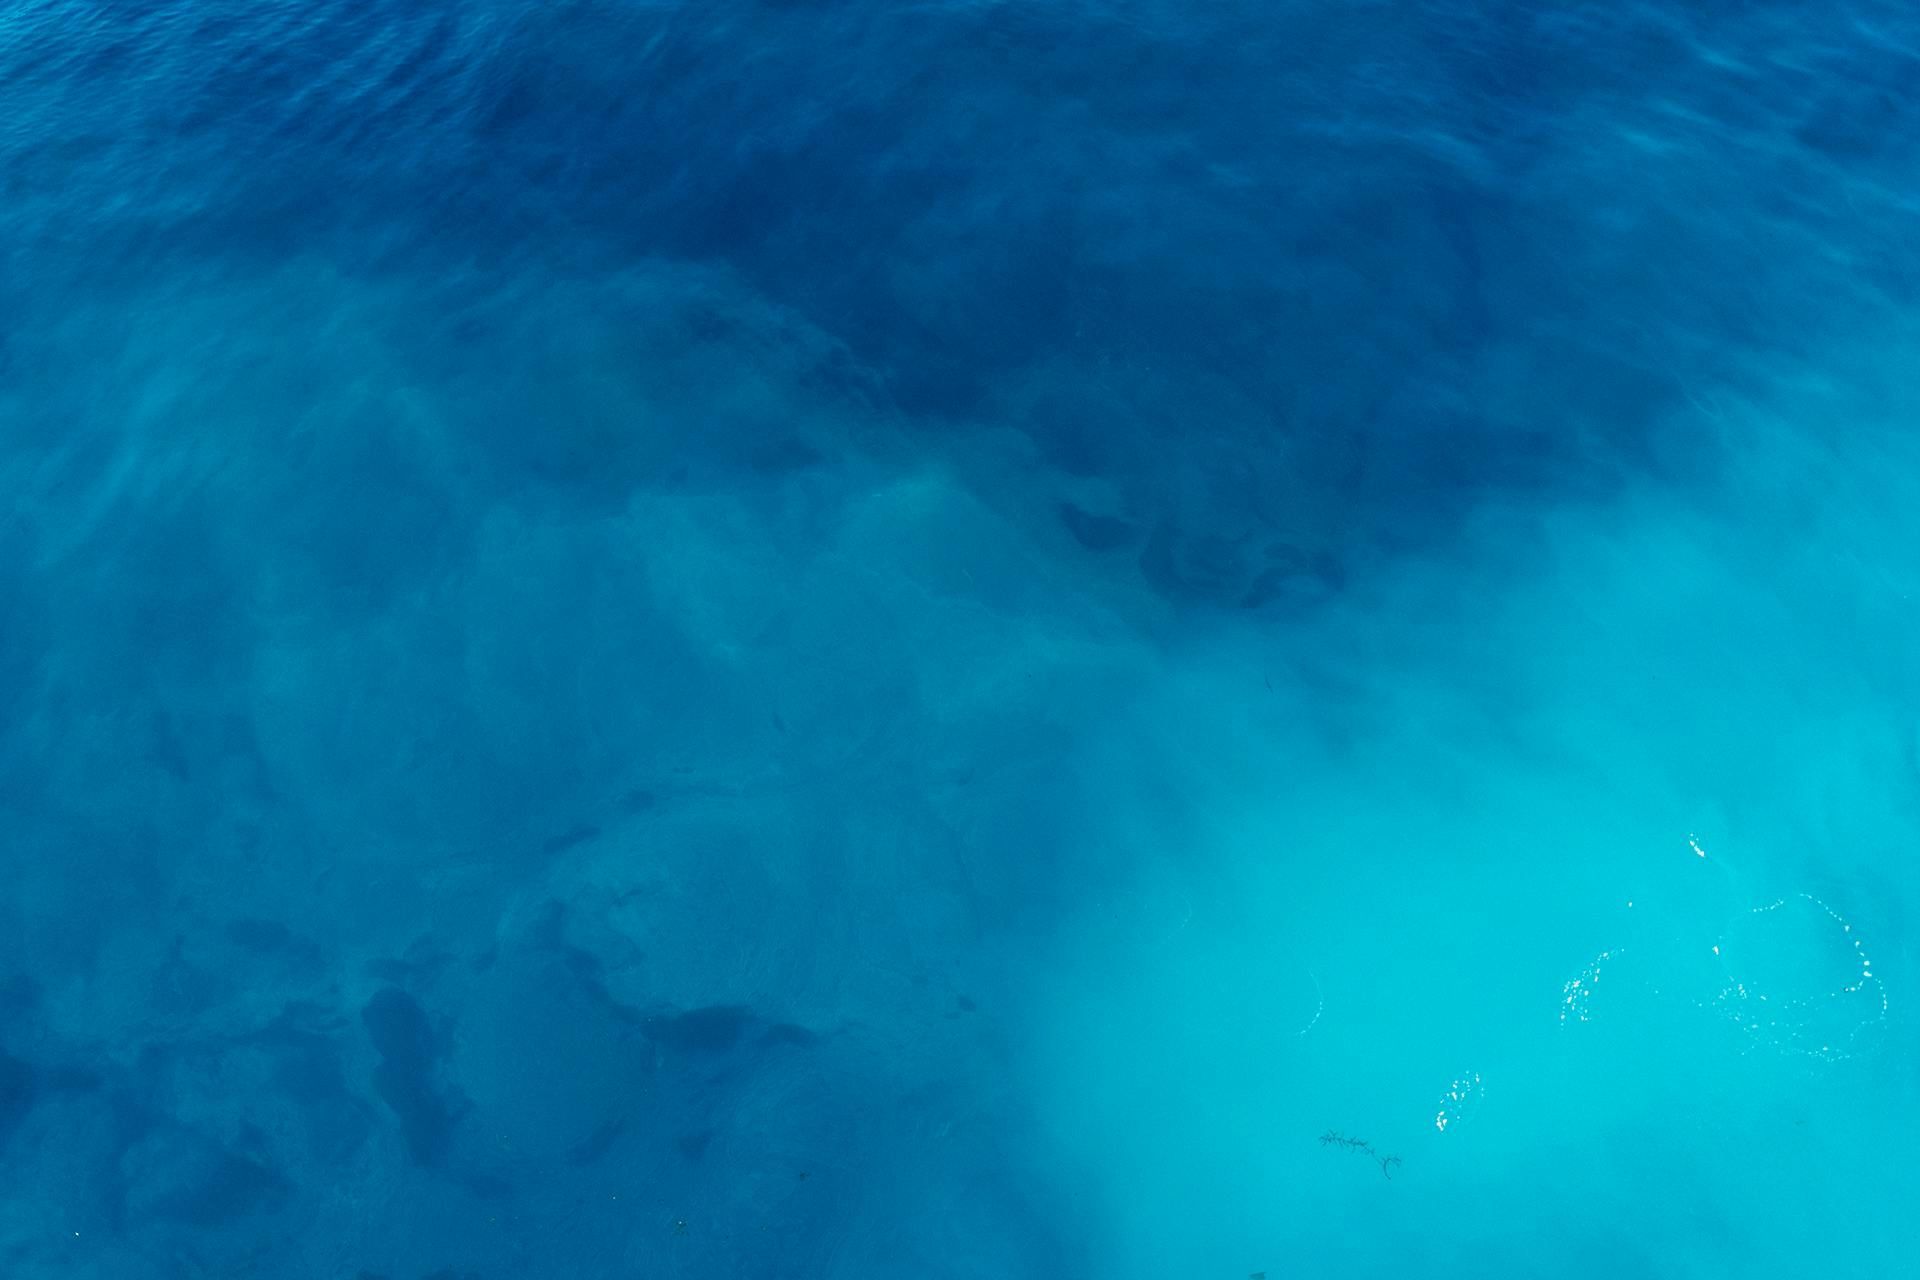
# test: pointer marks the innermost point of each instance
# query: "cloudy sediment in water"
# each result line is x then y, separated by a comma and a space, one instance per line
958, 640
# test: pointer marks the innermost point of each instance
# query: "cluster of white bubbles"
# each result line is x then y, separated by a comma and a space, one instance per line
1459, 1101
1792, 974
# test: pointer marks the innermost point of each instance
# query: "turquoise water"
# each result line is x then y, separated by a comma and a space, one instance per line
1122, 640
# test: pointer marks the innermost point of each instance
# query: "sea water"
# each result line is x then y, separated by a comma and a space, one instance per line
1035, 638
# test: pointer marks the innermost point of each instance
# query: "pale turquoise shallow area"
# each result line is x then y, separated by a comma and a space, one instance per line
789, 639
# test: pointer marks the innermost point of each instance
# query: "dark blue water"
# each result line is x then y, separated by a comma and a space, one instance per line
1137, 640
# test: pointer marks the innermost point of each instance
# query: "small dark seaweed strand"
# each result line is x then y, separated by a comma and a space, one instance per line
1352, 1144
1335, 1138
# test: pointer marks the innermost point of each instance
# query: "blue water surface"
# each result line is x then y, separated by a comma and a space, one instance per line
966, 639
